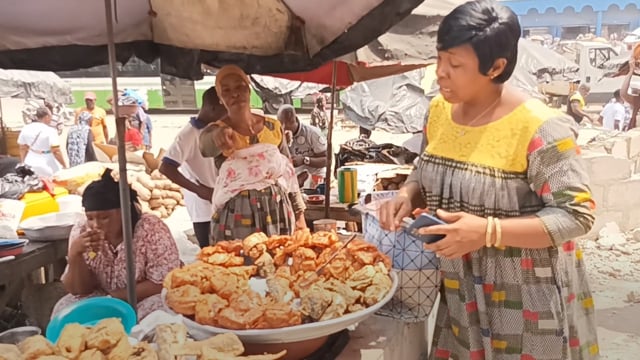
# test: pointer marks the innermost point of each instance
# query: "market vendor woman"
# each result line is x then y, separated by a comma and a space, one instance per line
97, 258
504, 172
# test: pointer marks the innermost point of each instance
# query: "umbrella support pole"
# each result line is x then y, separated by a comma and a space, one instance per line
327, 179
125, 198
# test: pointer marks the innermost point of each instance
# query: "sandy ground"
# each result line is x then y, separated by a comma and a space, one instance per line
614, 274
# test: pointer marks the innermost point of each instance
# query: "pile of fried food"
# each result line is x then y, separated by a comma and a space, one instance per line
216, 290
173, 344
106, 340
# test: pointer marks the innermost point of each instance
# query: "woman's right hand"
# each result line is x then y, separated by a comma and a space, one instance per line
88, 240
223, 138
393, 211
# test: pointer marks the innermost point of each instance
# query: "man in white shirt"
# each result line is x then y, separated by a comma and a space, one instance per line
307, 146
613, 115
184, 165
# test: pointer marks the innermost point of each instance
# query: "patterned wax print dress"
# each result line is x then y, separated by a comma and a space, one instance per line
156, 255
514, 303
270, 210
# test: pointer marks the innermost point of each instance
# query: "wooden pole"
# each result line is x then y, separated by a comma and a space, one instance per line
125, 198
327, 179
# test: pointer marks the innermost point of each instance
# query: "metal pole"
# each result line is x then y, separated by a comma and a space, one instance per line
125, 201
327, 179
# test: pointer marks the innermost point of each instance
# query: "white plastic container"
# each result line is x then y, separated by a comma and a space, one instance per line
70, 203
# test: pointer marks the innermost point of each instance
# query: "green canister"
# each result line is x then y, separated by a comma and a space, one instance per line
348, 185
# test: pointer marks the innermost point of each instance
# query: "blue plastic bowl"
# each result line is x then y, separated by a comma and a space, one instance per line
89, 312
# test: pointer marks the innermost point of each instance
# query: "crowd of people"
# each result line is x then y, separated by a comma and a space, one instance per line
40, 143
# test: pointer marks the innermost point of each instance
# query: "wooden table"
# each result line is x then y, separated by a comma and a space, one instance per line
16, 273
337, 211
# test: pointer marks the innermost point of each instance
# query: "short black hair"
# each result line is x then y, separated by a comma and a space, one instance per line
616, 94
210, 97
491, 29
42, 112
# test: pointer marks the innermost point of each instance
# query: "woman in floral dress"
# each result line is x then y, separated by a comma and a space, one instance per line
97, 256
513, 288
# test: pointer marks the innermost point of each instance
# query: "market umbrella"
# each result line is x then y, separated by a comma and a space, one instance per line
349, 70
264, 36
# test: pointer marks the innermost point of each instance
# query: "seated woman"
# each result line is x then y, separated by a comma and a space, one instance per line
264, 205
97, 258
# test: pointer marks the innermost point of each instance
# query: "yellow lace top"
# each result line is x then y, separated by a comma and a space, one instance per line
502, 144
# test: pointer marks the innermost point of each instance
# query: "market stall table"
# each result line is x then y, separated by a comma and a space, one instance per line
337, 211
50, 255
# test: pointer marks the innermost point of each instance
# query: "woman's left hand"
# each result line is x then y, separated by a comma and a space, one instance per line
464, 233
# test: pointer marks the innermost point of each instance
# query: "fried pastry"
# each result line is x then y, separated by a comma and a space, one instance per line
208, 307
362, 278
337, 308
34, 347
266, 266
169, 338
211, 354
234, 319
105, 335
350, 296
215, 291
279, 315
121, 351
143, 351
183, 299
227, 343
314, 302
92, 354
72, 340
280, 289
255, 245
9, 352
243, 272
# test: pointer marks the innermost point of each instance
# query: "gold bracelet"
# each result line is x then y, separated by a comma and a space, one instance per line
489, 232
498, 234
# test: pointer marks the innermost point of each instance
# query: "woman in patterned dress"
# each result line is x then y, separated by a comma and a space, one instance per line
515, 288
272, 209
97, 258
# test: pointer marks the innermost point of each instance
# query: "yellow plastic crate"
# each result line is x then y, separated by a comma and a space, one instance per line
40, 203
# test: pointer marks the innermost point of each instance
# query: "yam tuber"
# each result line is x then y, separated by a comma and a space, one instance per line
146, 181
169, 203
156, 194
177, 196
156, 175
154, 204
143, 192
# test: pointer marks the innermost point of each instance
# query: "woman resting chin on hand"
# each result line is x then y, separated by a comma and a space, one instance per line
97, 257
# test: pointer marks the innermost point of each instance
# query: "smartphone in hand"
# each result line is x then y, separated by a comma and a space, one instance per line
423, 220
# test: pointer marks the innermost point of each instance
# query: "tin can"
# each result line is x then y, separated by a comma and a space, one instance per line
347, 185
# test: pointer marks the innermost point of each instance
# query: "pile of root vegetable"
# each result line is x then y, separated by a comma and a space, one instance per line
157, 194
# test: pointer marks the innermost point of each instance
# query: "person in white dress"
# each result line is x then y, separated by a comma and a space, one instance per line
40, 145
